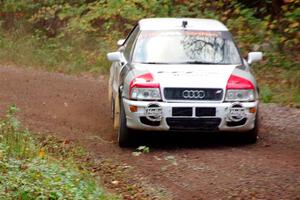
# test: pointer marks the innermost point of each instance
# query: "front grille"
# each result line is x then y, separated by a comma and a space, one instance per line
182, 111
194, 94
205, 111
201, 124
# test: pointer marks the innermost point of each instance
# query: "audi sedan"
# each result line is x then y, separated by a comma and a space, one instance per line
182, 74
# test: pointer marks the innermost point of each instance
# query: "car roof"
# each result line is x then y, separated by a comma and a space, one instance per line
177, 24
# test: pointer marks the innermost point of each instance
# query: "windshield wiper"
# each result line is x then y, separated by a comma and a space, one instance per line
187, 62
155, 63
200, 62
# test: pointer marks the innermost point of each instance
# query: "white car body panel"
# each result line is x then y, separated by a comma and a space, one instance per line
206, 76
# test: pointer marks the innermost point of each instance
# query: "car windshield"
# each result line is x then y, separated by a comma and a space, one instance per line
182, 46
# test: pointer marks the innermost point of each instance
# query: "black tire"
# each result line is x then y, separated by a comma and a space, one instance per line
251, 136
124, 132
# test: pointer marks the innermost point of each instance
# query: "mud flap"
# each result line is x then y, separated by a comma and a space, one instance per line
109, 95
117, 113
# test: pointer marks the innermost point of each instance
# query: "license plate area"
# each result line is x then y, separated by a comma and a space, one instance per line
205, 111
182, 111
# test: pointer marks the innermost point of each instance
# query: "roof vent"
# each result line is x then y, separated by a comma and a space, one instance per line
184, 24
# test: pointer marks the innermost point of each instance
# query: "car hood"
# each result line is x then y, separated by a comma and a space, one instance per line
195, 76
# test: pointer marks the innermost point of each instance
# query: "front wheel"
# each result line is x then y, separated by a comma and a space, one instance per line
251, 136
124, 132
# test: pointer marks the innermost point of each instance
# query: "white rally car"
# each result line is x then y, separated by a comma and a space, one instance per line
182, 74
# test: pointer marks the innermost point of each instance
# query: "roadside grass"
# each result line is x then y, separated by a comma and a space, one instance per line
33, 169
279, 85
65, 54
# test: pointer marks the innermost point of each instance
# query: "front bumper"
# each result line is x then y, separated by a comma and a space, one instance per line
222, 112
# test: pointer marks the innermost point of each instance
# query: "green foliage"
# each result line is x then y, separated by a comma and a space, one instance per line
105, 21
27, 173
39, 179
55, 54
279, 85
265, 94
143, 149
140, 150
17, 143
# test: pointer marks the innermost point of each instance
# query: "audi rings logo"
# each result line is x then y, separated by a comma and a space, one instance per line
193, 94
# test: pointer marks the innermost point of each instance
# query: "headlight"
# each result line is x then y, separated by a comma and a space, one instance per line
240, 95
145, 93
143, 87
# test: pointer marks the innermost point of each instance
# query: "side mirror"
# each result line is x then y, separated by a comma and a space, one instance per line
114, 56
120, 42
254, 56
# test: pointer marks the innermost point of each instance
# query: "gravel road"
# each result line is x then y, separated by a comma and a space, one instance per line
179, 166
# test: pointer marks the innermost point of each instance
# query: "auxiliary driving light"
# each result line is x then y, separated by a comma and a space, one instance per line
236, 112
153, 112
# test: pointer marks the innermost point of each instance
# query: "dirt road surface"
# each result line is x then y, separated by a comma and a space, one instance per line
179, 166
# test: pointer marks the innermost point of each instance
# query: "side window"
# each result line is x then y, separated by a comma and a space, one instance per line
130, 42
